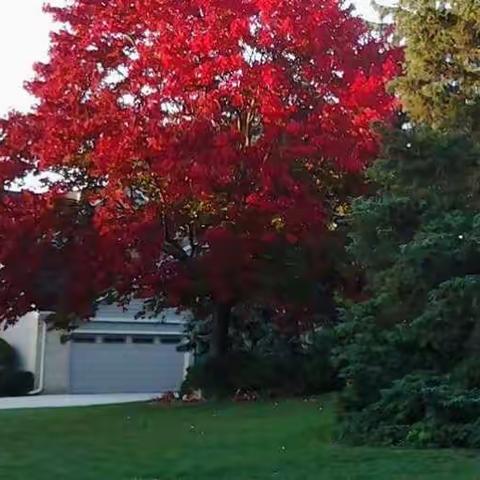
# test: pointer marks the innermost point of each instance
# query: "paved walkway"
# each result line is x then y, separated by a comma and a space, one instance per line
58, 401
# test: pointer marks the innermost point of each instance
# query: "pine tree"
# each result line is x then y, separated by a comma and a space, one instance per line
441, 82
410, 351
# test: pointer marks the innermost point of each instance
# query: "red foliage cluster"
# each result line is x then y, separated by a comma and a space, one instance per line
201, 134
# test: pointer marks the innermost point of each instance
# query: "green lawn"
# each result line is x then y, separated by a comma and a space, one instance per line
292, 440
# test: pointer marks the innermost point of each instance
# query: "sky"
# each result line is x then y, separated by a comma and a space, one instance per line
24, 40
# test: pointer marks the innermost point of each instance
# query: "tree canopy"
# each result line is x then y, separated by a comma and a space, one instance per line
212, 141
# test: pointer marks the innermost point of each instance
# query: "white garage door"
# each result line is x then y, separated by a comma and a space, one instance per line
125, 364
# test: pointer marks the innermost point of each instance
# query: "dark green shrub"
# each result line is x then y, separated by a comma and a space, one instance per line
221, 378
289, 373
13, 382
8, 357
468, 372
16, 383
317, 366
421, 410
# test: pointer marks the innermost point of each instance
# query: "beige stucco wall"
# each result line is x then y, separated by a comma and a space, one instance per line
57, 363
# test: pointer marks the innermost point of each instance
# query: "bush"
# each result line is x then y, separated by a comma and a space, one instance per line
317, 367
291, 373
13, 382
420, 410
8, 357
16, 383
414, 383
468, 372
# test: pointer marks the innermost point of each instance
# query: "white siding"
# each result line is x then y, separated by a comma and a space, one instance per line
116, 313
23, 336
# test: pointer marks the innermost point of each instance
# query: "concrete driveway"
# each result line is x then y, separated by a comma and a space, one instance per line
59, 401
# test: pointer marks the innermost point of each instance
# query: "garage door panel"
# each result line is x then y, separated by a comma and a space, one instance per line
125, 368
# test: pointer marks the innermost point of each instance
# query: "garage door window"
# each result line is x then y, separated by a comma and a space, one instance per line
143, 340
172, 341
114, 339
83, 339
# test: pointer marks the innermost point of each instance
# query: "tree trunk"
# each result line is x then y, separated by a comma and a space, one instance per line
219, 342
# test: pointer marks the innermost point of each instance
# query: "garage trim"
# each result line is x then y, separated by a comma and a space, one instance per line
127, 332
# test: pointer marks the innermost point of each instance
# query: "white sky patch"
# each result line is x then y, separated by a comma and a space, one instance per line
36, 183
24, 40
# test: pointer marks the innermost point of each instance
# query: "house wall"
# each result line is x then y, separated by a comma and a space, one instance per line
108, 320
57, 363
24, 336
27, 337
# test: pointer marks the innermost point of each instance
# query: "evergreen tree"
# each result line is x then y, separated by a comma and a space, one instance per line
441, 82
410, 351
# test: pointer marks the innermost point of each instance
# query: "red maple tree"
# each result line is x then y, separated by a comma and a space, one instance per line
212, 142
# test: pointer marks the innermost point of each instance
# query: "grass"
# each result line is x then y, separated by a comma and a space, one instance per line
289, 441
